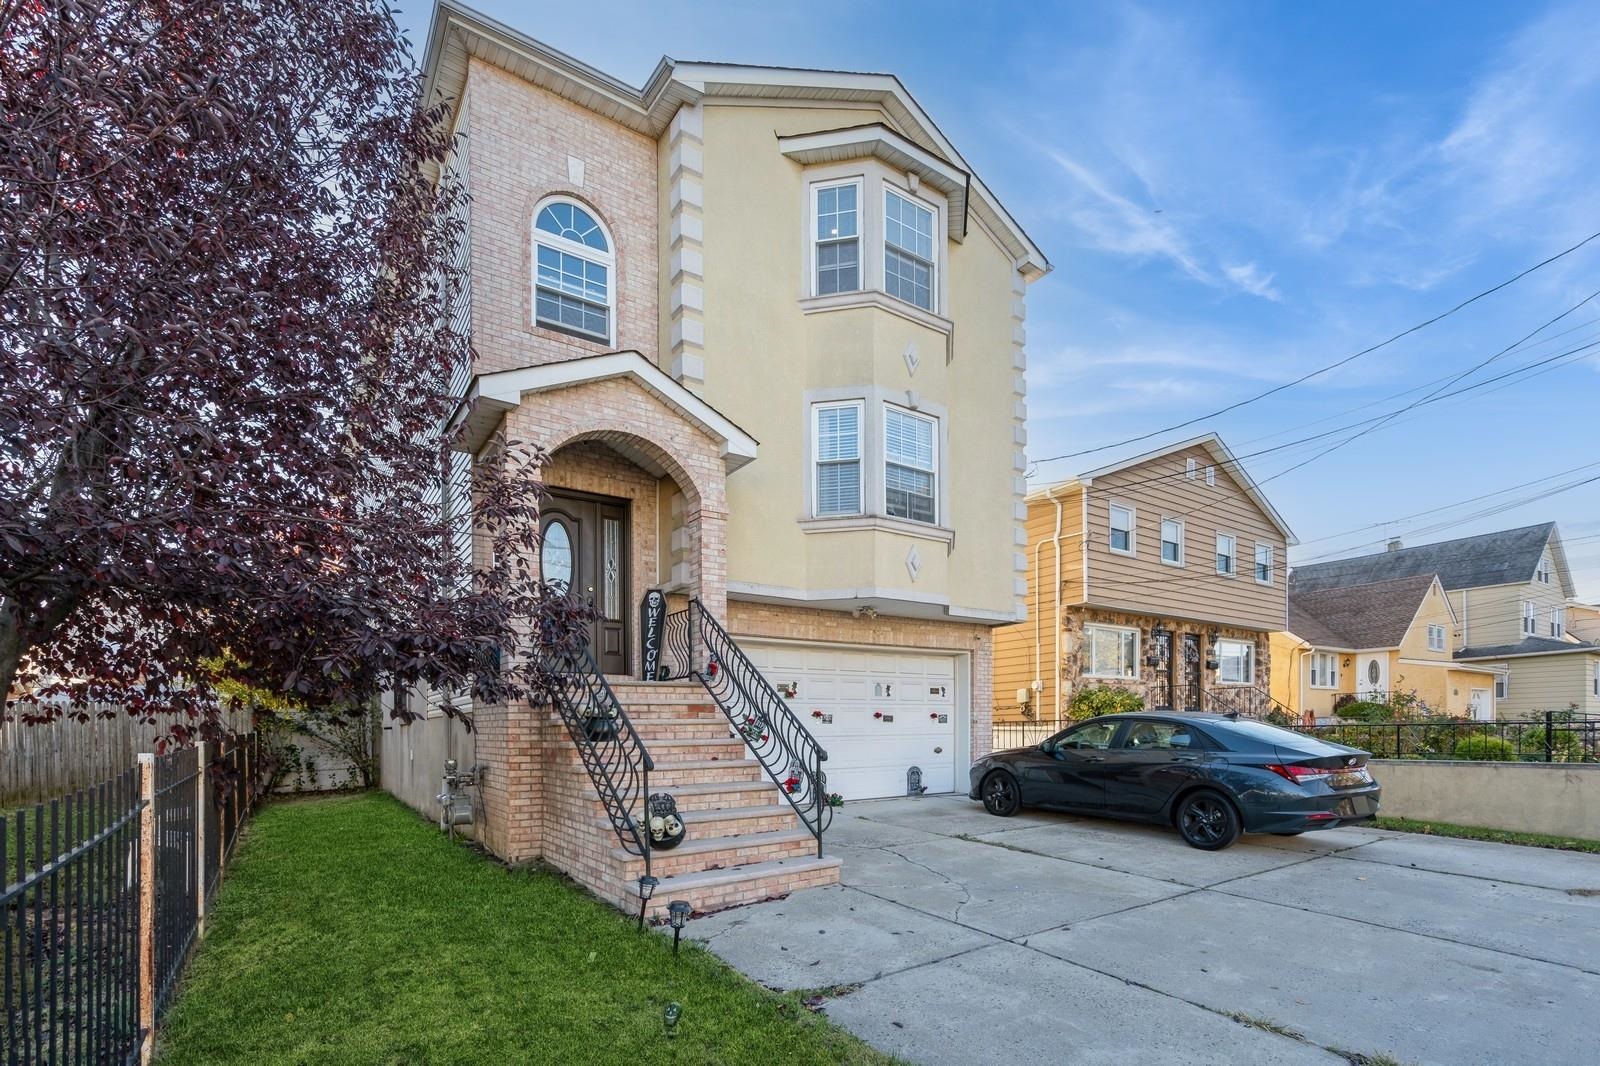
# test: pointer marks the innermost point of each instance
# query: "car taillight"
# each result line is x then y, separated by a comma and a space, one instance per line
1300, 773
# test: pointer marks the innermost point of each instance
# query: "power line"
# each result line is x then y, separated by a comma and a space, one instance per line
1331, 366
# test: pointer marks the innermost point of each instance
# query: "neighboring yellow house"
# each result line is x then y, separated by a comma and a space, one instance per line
1375, 641
768, 325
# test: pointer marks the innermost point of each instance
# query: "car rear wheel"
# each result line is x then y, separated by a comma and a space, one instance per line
1206, 820
1001, 795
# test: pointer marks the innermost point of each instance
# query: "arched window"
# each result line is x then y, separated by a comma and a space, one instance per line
573, 262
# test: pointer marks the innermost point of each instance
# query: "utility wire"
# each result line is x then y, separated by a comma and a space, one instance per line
1331, 366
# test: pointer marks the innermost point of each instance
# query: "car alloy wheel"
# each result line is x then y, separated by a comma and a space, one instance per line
1207, 821
1000, 794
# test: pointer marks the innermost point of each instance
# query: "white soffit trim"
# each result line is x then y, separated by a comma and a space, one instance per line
490, 395
878, 141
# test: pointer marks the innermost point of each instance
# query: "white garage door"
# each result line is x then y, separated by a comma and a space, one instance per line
882, 713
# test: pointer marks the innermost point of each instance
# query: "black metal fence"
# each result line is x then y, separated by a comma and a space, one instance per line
71, 914
104, 900
1554, 737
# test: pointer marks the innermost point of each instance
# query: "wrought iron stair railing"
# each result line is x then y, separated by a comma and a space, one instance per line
1249, 701
612, 752
697, 646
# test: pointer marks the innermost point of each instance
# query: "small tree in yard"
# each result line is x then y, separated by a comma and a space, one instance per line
225, 278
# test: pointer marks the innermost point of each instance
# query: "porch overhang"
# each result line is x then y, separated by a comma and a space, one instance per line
490, 396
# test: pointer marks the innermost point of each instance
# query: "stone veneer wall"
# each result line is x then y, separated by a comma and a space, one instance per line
805, 623
1072, 666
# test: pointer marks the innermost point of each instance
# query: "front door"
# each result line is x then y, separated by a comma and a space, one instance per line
1185, 669
585, 549
1482, 705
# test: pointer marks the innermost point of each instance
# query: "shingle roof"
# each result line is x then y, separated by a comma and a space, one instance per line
1373, 615
1502, 558
1527, 646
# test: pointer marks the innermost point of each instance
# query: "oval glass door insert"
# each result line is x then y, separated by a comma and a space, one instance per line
555, 555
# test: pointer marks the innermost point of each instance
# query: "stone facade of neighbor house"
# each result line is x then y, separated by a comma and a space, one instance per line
1376, 641
769, 326
1511, 596
1162, 574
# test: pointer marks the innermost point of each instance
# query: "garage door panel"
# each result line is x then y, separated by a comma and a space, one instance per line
868, 756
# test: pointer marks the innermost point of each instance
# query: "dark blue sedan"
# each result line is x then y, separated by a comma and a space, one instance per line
1210, 776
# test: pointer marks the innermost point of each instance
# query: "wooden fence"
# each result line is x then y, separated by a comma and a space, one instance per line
54, 758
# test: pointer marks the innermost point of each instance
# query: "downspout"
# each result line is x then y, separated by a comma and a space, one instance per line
1055, 688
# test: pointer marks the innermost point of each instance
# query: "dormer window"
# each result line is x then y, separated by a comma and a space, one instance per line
573, 261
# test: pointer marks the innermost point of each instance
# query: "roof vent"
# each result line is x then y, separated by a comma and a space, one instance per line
1394, 545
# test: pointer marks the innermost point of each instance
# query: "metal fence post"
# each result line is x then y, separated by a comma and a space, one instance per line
1549, 736
200, 838
147, 906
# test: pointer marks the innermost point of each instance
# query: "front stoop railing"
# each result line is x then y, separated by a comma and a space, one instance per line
1247, 701
612, 752
697, 646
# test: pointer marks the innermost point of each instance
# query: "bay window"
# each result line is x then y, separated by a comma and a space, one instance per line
910, 466
837, 233
908, 252
836, 434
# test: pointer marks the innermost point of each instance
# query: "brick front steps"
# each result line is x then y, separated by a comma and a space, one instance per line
744, 842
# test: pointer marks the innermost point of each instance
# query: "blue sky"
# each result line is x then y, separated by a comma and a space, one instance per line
1236, 194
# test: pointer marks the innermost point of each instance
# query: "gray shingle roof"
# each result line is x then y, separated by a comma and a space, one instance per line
1502, 558
1527, 646
1373, 615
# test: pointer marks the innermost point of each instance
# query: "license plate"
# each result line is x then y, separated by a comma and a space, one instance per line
1349, 778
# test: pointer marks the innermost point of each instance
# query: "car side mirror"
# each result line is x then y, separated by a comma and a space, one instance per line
1048, 747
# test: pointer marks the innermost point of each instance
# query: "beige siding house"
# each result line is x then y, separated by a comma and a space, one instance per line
1511, 595
1162, 574
769, 325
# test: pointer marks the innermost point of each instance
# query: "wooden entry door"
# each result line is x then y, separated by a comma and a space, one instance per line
585, 547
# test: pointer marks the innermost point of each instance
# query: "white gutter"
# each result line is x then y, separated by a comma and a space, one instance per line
1055, 689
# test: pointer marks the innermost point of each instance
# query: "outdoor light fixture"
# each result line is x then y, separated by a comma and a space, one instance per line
678, 911
647, 888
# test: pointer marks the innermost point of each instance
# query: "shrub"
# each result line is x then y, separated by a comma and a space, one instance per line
1365, 711
1564, 745
1485, 749
1103, 699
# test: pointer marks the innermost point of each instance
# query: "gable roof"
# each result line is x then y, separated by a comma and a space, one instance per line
1508, 557
1220, 455
1353, 617
459, 33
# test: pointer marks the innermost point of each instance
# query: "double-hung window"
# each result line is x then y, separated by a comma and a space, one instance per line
1502, 686
1435, 638
1122, 529
572, 271
1597, 679
1324, 670
838, 237
908, 253
1530, 618
1236, 662
837, 434
910, 466
1558, 621
1542, 575
1172, 541
1111, 651
1226, 551
1264, 564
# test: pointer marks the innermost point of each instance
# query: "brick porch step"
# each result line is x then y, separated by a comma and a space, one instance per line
672, 774
714, 890
712, 795
664, 730
708, 822
679, 750
693, 856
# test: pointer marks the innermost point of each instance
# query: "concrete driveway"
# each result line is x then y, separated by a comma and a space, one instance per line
957, 937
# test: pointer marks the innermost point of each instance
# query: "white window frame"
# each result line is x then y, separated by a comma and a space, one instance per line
1255, 569
814, 242
1436, 637
567, 246
934, 472
1211, 476
1530, 618
1133, 529
1232, 555
1121, 633
1330, 675
1542, 575
1180, 560
817, 461
1597, 679
1502, 686
1558, 622
1190, 468
1249, 659
889, 190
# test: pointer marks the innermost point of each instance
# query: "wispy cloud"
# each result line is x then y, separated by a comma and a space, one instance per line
1253, 280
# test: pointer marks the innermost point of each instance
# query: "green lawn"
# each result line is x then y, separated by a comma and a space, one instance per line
349, 931
1499, 836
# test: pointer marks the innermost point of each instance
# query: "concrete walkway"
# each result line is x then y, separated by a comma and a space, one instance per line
957, 937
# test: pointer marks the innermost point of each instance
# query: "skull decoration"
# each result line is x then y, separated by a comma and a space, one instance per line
666, 826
